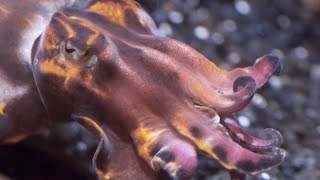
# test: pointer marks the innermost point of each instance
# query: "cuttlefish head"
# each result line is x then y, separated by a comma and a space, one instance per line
107, 64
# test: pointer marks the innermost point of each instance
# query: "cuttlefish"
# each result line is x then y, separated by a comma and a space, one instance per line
152, 101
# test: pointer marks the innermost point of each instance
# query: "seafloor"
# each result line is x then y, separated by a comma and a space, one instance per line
231, 34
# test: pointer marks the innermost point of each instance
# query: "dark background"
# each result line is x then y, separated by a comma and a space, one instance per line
231, 34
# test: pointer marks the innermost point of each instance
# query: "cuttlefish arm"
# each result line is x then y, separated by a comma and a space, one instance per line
273, 137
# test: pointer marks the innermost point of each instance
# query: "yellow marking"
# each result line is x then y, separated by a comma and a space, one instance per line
71, 72
84, 23
110, 175
92, 39
114, 12
52, 68
1, 109
76, 18
67, 27
50, 39
88, 24
144, 139
107, 176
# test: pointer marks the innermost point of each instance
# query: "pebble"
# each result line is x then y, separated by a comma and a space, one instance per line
81, 146
275, 82
278, 52
304, 159
165, 29
217, 38
199, 15
284, 21
234, 58
244, 121
259, 101
243, 7
300, 52
315, 73
265, 176
176, 17
318, 130
201, 32
192, 3
229, 25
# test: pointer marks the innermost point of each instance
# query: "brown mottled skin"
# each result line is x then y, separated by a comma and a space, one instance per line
153, 101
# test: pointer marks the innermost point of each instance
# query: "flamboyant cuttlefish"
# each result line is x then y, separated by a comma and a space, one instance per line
153, 101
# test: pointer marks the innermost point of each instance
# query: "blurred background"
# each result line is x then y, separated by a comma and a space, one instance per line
231, 33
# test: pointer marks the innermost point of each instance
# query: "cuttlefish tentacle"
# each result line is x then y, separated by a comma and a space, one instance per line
214, 139
208, 83
255, 144
225, 91
163, 149
224, 97
263, 68
244, 88
224, 102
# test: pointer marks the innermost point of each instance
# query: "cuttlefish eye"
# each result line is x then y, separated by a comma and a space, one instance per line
76, 56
